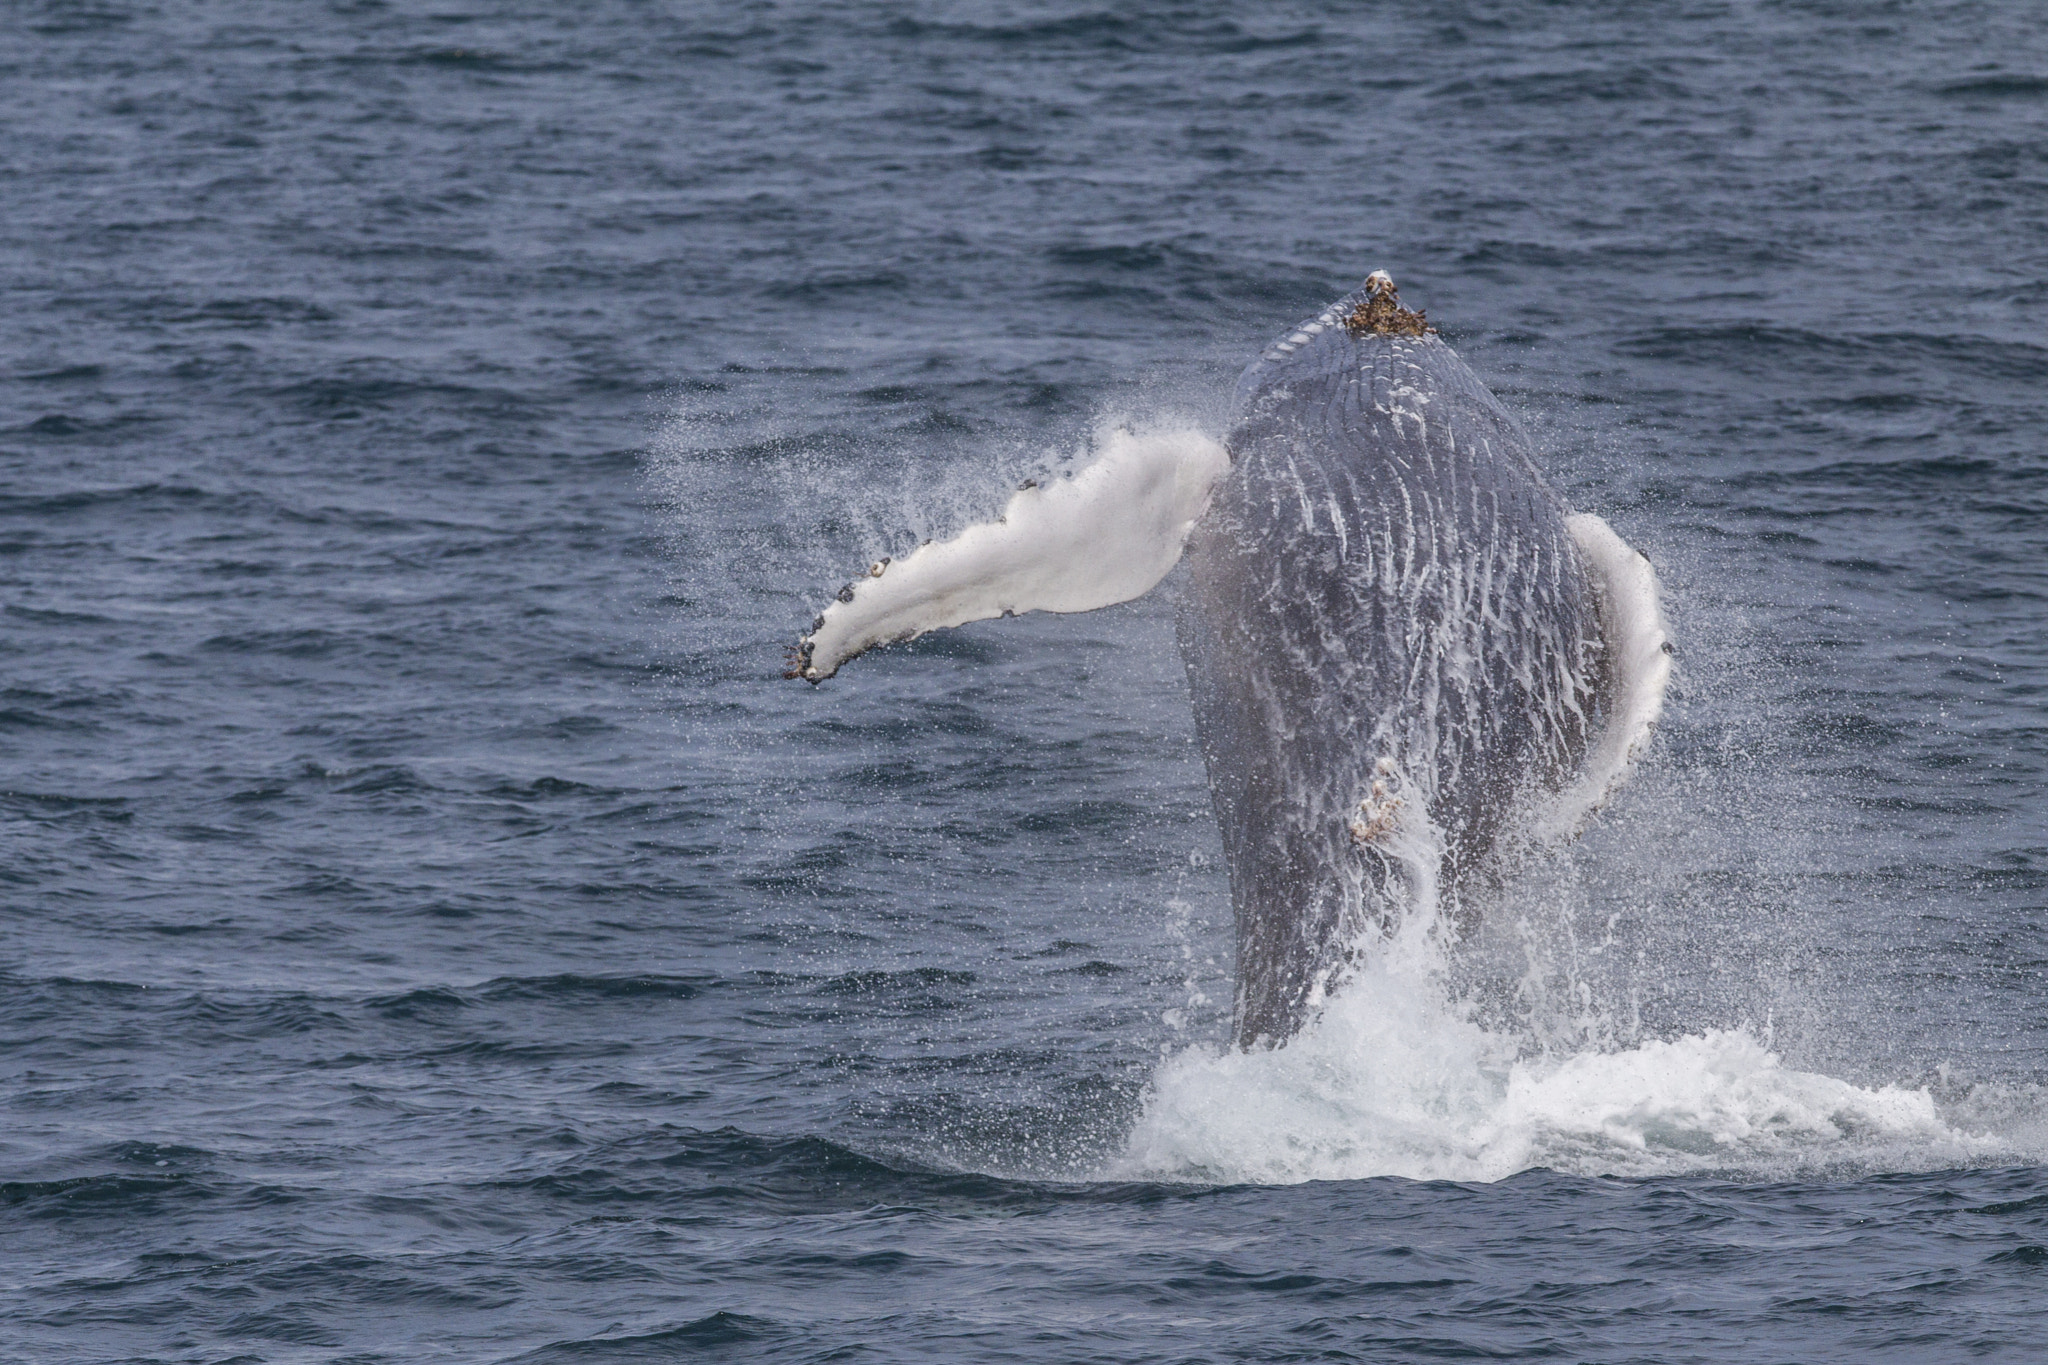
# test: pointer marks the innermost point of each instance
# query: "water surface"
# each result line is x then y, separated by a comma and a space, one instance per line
433, 931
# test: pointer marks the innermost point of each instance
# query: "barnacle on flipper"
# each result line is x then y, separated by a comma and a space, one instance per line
1382, 313
797, 659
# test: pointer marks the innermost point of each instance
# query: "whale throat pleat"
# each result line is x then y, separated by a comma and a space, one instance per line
1401, 647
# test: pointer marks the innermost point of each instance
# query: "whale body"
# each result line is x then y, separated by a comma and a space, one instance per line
1406, 653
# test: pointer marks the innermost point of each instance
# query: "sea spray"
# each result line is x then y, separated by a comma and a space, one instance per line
1403, 1072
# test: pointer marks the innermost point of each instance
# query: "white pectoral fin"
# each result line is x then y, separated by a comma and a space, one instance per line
1639, 666
1104, 536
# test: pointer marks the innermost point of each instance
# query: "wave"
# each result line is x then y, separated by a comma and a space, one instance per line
720, 1329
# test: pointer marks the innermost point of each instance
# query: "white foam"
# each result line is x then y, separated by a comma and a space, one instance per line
1106, 535
1391, 1080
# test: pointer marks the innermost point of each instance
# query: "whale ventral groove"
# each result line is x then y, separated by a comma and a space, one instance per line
1406, 655
1392, 644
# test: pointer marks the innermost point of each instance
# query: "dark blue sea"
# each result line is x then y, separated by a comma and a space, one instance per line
431, 929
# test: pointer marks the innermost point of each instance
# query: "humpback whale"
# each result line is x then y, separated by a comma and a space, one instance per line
1407, 655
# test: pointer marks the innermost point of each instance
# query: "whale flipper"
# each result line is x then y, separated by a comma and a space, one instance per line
1106, 535
1638, 649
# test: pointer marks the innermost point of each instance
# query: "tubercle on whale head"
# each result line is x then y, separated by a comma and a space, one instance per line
1381, 314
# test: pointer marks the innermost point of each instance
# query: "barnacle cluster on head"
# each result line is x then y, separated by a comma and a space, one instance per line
1381, 314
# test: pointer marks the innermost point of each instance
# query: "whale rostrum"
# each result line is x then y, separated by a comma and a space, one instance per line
1405, 652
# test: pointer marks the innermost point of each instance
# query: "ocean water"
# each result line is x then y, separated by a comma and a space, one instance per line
432, 930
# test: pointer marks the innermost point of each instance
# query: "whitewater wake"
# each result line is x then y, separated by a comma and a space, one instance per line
1393, 1080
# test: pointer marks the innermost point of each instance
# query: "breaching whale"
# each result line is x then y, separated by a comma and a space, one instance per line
1405, 652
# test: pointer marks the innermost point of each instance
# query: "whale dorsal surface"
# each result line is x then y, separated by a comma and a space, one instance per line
1403, 648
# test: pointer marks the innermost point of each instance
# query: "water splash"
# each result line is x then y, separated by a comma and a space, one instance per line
1438, 1057
1394, 1078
